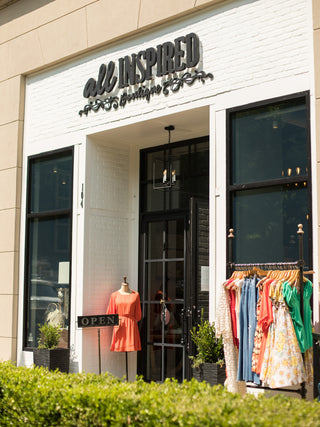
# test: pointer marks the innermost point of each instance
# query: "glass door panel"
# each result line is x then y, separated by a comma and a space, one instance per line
173, 327
154, 283
174, 286
175, 241
155, 240
163, 298
154, 363
173, 362
154, 325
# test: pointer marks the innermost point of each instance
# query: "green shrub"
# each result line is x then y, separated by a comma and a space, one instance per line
38, 397
49, 336
209, 347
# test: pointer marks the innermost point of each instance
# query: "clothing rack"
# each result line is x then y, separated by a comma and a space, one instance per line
295, 265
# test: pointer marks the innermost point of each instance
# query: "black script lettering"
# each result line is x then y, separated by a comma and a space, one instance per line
123, 99
90, 88
151, 58
147, 94
178, 54
110, 80
141, 54
168, 54
101, 75
193, 51
105, 83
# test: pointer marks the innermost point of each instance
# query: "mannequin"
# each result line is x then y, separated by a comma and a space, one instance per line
125, 289
126, 303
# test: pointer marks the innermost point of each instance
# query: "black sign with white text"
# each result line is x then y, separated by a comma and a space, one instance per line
98, 320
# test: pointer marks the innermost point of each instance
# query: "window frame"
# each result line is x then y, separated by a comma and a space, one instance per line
232, 188
51, 214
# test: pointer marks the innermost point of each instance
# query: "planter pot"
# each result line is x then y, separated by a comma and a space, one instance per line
52, 359
212, 373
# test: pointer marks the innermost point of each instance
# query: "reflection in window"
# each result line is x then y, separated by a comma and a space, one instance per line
191, 165
270, 142
48, 245
268, 183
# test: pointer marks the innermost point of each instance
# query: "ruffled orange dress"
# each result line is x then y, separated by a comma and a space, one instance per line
126, 336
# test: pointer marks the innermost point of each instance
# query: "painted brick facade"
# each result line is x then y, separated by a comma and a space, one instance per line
243, 44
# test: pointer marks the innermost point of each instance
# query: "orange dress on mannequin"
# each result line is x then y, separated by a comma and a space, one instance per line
126, 335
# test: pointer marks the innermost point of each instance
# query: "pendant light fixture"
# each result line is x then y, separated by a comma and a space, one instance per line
164, 168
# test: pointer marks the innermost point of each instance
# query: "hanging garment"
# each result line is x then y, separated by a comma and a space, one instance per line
232, 296
238, 286
126, 335
224, 329
248, 323
292, 298
265, 320
304, 332
258, 332
307, 312
282, 365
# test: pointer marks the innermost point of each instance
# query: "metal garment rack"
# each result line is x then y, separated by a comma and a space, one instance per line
296, 265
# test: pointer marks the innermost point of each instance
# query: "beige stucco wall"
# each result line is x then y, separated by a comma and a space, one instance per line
33, 36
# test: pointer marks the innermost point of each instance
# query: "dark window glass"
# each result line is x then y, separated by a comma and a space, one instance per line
175, 239
155, 240
269, 142
190, 164
51, 181
269, 181
154, 281
48, 280
48, 248
266, 222
173, 367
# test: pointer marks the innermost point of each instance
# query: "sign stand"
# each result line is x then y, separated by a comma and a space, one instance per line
99, 351
127, 365
96, 322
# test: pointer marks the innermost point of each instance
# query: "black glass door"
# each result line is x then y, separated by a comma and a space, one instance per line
163, 298
173, 255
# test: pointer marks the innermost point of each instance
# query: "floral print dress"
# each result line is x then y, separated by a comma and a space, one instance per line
283, 363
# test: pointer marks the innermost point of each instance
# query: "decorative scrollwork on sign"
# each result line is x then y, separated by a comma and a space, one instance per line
105, 104
174, 84
177, 82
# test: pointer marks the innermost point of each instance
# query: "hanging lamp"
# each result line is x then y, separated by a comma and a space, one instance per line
165, 168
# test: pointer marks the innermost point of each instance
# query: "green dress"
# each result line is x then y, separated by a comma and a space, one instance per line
307, 312
292, 298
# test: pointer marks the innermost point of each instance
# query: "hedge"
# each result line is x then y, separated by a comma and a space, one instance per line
37, 397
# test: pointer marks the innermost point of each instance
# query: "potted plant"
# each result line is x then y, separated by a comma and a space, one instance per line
208, 362
48, 354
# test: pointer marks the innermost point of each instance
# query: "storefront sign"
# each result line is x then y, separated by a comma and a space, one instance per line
98, 321
140, 69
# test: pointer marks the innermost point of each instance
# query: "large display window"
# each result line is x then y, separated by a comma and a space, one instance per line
269, 180
48, 244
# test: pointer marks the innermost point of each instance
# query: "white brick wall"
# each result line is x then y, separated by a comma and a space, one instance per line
243, 43
106, 260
